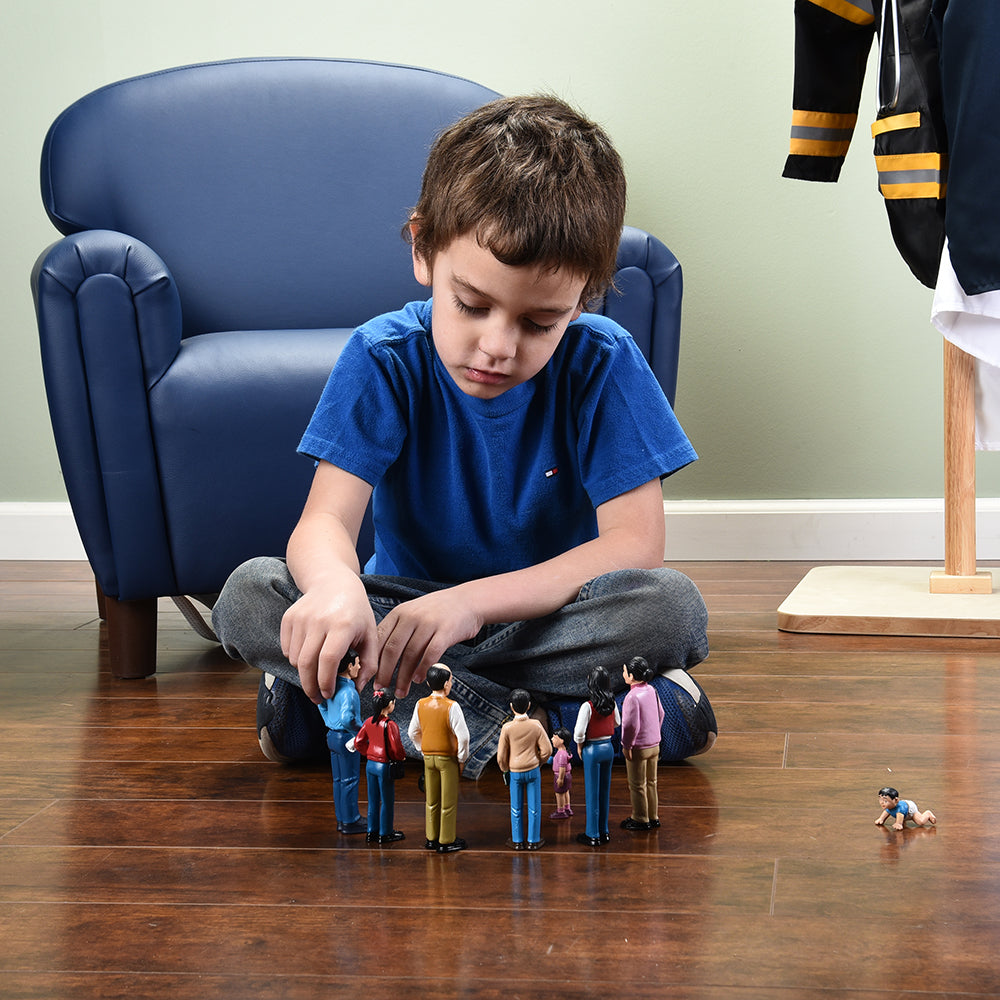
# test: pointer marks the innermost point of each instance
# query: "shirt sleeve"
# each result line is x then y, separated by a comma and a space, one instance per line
394, 749
359, 423
582, 721
544, 745
630, 721
414, 728
503, 750
461, 731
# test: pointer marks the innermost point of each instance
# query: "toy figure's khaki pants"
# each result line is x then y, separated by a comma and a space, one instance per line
441, 789
641, 771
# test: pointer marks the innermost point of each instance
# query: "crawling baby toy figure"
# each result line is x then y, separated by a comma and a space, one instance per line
901, 811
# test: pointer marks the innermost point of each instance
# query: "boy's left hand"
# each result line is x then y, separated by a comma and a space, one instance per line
415, 634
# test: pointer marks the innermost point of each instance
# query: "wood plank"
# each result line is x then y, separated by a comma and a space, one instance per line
147, 848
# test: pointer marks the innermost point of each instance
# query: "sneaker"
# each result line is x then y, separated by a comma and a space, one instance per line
289, 726
689, 727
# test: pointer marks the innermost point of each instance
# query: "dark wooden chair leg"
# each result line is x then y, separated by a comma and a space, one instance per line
131, 635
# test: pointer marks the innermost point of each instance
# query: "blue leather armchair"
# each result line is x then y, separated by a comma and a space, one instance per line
225, 227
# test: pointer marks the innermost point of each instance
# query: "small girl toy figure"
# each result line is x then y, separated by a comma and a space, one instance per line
595, 725
562, 773
380, 742
901, 811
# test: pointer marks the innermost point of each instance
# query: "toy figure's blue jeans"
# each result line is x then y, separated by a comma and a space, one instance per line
381, 798
346, 767
597, 758
526, 785
655, 613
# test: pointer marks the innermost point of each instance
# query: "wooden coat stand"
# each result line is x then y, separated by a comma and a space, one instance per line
901, 600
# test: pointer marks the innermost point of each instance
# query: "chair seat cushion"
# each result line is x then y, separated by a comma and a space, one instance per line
227, 417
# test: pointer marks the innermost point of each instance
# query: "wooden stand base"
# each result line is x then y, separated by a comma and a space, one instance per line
944, 583
886, 600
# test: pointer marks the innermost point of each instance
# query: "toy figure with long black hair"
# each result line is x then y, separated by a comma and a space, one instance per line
595, 725
380, 742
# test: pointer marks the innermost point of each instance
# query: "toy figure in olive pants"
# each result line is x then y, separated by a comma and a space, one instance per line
438, 730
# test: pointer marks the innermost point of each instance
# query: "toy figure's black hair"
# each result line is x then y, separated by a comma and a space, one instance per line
601, 696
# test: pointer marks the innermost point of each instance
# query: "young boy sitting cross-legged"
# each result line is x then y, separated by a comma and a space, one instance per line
514, 445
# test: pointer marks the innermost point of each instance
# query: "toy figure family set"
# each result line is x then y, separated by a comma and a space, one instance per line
512, 445
438, 730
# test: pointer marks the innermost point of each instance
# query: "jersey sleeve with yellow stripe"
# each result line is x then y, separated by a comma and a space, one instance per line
833, 39
832, 42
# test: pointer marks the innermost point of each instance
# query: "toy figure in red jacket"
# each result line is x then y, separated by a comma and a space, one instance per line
380, 742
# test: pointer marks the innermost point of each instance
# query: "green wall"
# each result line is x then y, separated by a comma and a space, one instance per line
809, 368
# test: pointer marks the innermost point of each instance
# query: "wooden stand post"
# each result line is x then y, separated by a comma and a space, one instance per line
896, 600
959, 576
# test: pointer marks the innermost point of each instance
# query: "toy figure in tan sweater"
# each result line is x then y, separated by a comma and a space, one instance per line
524, 746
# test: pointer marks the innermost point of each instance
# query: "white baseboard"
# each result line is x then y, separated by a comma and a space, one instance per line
39, 531
894, 530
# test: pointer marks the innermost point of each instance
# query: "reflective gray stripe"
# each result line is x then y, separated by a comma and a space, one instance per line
821, 134
909, 176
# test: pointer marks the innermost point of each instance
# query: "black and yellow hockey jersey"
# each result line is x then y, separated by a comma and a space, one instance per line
832, 41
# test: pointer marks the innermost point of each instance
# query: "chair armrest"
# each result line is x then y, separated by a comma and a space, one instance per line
109, 322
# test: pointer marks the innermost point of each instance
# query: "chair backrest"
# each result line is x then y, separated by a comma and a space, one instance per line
274, 190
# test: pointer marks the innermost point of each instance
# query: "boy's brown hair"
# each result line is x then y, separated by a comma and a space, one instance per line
534, 181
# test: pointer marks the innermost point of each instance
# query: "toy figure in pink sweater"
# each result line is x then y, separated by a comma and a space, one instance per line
562, 773
642, 716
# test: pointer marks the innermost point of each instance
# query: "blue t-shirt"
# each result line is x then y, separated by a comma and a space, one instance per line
466, 487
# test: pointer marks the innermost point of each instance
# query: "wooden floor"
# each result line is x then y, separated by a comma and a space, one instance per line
148, 850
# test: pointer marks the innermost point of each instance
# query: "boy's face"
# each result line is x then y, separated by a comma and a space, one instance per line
495, 326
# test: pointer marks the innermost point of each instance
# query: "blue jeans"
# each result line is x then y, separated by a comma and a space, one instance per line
597, 759
526, 785
655, 613
381, 798
346, 767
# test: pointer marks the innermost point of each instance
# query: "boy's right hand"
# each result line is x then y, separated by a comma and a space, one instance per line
320, 627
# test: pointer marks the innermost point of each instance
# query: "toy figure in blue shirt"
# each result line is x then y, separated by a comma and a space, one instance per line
900, 810
342, 715
512, 446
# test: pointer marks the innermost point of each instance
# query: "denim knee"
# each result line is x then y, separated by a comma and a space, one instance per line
247, 615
